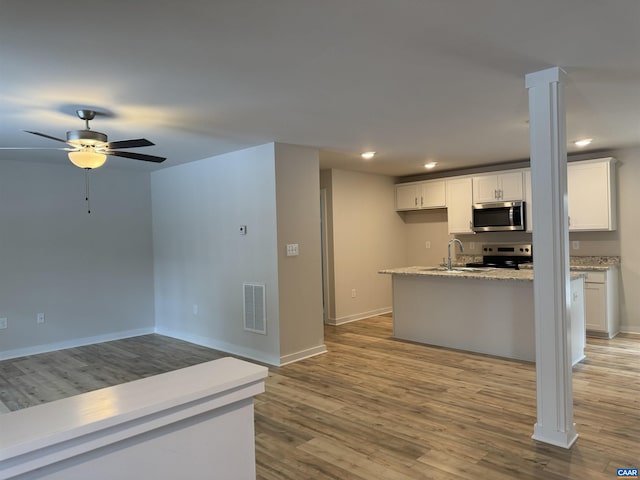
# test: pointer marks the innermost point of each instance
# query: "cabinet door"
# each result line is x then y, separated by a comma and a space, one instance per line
485, 188
595, 306
433, 194
589, 196
510, 186
577, 318
407, 197
459, 201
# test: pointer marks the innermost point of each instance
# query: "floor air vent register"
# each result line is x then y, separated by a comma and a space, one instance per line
254, 308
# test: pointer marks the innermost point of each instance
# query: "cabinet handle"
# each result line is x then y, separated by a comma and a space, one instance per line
495, 195
569, 219
421, 201
415, 201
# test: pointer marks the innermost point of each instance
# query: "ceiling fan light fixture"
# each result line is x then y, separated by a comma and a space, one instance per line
87, 158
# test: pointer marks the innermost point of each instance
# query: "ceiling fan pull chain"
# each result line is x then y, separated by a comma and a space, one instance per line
86, 184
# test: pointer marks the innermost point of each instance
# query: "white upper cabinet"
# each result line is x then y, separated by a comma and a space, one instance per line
591, 187
407, 196
498, 187
459, 200
416, 196
591, 195
434, 194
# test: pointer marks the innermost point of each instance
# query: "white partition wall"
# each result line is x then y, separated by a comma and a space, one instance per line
190, 424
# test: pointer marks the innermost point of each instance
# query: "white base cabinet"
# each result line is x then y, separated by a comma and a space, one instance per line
601, 303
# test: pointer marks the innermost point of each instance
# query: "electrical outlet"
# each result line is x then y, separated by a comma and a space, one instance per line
195, 309
353, 293
427, 244
472, 246
41, 317
576, 245
3, 322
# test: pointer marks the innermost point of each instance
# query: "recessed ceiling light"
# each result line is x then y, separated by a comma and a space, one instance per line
430, 165
583, 143
368, 155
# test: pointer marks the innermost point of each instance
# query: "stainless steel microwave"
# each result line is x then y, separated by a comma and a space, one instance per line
498, 216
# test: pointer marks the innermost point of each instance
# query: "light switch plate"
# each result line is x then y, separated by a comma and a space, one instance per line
3, 322
292, 250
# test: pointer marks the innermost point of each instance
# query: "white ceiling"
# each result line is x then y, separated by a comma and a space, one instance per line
414, 80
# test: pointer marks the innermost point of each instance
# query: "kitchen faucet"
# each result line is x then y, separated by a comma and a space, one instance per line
449, 251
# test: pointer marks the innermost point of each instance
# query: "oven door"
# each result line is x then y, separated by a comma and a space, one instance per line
498, 216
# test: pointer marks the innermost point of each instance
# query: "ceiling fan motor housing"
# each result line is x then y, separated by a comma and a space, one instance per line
86, 137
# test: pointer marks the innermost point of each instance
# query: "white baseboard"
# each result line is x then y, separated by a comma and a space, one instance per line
358, 316
301, 355
630, 329
225, 347
76, 342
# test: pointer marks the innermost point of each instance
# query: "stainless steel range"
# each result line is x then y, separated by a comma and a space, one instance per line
500, 255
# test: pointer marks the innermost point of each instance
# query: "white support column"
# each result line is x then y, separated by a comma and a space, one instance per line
552, 292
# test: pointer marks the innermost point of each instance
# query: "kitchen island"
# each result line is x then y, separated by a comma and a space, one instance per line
486, 311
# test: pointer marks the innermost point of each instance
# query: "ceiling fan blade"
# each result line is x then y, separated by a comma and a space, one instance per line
31, 148
46, 136
138, 142
136, 156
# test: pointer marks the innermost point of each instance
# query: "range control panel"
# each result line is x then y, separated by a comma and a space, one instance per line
511, 250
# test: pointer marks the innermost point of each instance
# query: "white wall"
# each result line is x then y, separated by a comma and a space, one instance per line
367, 235
201, 259
92, 275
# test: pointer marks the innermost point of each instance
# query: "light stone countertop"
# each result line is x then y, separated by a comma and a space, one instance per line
587, 264
478, 274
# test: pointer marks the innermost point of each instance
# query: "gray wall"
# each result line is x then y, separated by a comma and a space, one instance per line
200, 258
629, 234
366, 235
92, 275
300, 277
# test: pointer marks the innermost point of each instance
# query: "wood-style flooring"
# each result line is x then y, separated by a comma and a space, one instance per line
29, 381
379, 408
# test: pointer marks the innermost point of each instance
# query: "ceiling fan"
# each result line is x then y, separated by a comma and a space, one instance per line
89, 148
